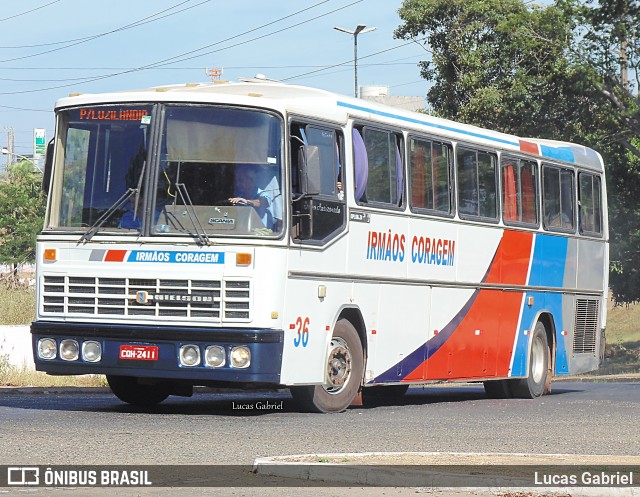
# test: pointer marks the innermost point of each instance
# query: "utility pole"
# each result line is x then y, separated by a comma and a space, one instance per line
11, 144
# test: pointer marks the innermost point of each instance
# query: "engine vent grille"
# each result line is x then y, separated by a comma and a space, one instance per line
586, 326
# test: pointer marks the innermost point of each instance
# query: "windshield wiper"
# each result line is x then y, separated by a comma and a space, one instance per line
200, 233
88, 235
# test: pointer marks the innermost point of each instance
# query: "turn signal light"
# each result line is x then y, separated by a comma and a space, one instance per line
50, 255
243, 259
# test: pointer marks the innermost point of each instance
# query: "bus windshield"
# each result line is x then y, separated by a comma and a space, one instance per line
105, 153
215, 171
219, 172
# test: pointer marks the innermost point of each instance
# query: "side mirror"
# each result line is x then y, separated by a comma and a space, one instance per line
48, 168
309, 162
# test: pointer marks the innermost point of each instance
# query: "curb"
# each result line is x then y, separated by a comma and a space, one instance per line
611, 378
420, 470
52, 390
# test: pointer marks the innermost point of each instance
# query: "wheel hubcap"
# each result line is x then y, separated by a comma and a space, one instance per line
338, 366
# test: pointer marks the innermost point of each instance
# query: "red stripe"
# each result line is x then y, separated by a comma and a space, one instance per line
511, 263
494, 312
115, 255
529, 147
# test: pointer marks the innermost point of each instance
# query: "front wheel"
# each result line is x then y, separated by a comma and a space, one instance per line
129, 390
344, 368
539, 377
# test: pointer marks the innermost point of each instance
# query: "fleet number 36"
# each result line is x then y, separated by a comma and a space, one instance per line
302, 335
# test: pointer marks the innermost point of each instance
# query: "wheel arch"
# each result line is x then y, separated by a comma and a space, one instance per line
546, 318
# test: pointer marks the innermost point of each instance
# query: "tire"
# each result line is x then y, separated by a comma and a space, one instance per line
539, 377
128, 390
344, 369
498, 389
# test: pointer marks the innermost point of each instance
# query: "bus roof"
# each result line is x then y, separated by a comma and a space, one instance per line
322, 104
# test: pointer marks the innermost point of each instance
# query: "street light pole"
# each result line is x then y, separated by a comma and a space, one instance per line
360, 28
5, 151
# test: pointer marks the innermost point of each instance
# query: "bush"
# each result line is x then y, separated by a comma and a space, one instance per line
22, 206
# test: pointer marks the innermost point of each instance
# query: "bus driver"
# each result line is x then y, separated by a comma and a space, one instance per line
264, 198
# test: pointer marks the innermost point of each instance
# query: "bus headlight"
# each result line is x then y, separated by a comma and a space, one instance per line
189, 355
240, 357
47, 348
69, 350
91, 351
214, 356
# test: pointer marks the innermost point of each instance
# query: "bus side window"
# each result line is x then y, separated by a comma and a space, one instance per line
519, 191
430, 176
384, 174
558, 198
477, 184
590, 204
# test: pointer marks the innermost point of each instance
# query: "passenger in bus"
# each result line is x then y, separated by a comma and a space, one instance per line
130, 219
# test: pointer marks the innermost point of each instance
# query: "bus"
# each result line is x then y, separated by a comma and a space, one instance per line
258, 234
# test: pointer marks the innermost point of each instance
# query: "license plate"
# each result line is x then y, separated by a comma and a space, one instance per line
139, 352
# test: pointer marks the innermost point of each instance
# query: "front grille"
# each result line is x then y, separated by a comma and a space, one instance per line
586, 326
204, 300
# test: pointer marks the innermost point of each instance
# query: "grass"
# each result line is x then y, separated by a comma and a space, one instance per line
17, 306
622, 354
13, 376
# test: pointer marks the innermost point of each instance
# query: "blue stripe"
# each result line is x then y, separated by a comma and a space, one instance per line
178, 257
549, 261
561, 153
429, 124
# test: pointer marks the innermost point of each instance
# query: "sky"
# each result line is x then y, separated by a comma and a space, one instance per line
51, 48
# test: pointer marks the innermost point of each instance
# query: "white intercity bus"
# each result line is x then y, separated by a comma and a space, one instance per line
262, 234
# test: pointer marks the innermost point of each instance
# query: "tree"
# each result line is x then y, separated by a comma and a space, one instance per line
21, 214
553, 72
500, 64
610, 44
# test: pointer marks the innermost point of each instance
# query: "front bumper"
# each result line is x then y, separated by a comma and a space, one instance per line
266, 347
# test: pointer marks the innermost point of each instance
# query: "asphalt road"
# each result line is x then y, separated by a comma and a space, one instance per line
212, 428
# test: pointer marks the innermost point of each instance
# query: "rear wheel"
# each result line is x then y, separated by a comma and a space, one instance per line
129, 390
344, 369
539, 377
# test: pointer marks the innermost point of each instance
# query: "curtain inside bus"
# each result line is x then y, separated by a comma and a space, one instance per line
510, 196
